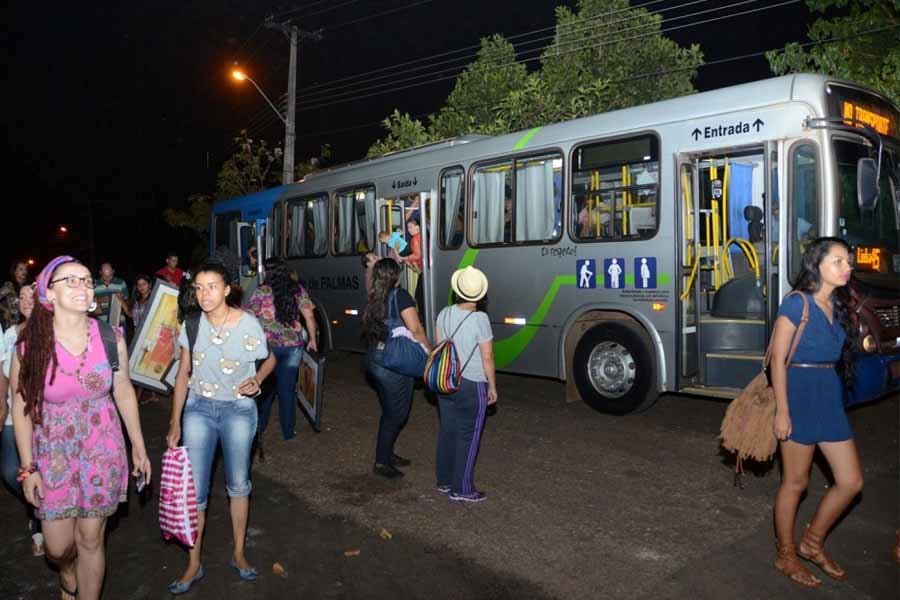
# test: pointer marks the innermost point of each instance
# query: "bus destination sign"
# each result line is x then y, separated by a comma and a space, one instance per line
857, 115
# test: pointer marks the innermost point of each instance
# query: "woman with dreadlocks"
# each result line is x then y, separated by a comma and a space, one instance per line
279, 304
73, 464
809, 405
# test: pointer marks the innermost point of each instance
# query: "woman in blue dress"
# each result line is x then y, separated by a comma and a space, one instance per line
809, 405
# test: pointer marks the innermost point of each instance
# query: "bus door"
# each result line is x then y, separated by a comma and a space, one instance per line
724, 256
392, 234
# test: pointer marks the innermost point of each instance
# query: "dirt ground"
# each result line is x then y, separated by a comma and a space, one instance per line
580, 506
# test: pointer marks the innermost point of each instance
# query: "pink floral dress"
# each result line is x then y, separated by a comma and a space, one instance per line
79, 448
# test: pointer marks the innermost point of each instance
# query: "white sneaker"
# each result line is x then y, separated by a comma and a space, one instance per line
37, 544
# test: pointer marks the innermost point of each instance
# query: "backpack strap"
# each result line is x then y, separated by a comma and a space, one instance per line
110, 343
474, 348
192, 328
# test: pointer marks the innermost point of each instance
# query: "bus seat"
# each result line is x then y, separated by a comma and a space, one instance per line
739, 298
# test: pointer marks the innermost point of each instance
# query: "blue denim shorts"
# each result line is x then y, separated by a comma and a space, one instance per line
205, 424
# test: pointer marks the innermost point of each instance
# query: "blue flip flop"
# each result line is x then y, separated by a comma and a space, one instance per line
176, 588
249, 574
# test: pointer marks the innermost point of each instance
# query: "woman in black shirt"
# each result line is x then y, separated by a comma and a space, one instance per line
394, 389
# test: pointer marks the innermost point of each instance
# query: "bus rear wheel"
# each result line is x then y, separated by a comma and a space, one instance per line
614, 369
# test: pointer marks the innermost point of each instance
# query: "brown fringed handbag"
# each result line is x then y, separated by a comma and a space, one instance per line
748, 426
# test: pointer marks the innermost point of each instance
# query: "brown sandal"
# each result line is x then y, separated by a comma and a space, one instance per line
810, 548
790, 566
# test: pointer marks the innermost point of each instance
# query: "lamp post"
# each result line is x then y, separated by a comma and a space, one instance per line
288, 174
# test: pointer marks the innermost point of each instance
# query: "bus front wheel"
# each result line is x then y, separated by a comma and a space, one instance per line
614, 369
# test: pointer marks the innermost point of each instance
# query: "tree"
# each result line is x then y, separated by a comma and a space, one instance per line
604, 56
195, 217
623, 46
403, 132
479, 89
249, 169
841, 46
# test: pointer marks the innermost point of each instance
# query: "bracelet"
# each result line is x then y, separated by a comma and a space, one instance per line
24, 472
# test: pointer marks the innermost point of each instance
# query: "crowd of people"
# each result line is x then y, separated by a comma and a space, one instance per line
66, 378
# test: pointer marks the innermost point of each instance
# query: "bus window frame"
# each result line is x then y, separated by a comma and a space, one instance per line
275, 233
789, 216
216, 242
324, 195
334, 196
514, 158
462, 171
570, 225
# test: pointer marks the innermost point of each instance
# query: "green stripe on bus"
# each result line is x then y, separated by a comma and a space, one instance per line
509, 349
526, 138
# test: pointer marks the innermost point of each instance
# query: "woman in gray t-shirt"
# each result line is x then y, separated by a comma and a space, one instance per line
213, 403
462, 414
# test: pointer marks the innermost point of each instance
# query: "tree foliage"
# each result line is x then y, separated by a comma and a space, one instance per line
605, 55
251, 168
841, 47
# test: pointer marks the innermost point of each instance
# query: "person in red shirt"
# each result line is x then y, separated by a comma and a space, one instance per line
171, 272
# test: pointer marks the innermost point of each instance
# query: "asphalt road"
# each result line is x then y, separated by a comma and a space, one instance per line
580, 505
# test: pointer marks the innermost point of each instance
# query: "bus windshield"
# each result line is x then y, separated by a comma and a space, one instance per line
877, 231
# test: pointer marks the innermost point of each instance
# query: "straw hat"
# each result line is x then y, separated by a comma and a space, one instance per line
469, 284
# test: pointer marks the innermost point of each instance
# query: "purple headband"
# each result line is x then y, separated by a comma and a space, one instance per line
43, 279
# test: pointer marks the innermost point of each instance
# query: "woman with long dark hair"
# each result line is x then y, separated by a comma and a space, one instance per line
394, 389
213, 404
9, 455
809, 405
279, 304
9, 294
136, 307
73, 465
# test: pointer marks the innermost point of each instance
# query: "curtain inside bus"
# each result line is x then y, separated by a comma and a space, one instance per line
490, 195
452, 198
535, 206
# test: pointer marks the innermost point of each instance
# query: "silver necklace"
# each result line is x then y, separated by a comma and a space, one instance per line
217, 337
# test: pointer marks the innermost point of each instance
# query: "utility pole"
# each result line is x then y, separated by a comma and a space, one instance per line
293, 33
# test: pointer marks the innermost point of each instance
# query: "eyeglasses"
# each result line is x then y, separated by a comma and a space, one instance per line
73, 281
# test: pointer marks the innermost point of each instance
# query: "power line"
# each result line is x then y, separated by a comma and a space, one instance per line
380, 14
295, 10
475, 46
332, 102
320, 95
645, 75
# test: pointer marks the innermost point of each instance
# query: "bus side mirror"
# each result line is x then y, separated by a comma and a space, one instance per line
867, 183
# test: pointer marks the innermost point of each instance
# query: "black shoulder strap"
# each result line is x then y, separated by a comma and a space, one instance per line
110, 344
192, 327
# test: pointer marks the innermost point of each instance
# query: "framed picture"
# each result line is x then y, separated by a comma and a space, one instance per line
152, 350
115, 311
171, 372
310, 388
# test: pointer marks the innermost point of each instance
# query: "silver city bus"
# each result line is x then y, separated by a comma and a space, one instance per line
629, 253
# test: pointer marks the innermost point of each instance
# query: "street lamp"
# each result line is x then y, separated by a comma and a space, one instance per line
63, 229
241, 76
288, 174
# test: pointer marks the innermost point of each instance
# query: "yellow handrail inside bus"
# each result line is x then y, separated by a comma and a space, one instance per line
691, 277
715, 225
725, 200
626, 182
688, 216
750, 253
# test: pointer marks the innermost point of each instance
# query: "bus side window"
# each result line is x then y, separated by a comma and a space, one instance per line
803, 220
615, 190
492, 204
224, 231
451, 209
517, 201
307, 223
354, 221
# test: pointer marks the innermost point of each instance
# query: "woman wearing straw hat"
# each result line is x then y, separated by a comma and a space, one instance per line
462, 414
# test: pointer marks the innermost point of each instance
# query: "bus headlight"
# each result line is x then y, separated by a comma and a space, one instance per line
869, 344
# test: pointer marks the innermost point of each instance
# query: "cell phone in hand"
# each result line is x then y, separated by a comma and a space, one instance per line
139, 482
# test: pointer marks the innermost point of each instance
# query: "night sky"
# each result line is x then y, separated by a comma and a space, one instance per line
128, 107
